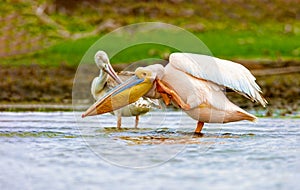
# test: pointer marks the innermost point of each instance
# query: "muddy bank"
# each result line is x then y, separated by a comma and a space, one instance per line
35, 84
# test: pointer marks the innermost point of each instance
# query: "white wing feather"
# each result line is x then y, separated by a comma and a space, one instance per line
219, 71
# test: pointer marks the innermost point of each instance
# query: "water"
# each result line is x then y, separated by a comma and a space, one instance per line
59, 151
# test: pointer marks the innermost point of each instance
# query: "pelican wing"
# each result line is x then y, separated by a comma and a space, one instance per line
222, 72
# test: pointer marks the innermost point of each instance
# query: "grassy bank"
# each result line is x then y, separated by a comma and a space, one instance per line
224, 44
231, 29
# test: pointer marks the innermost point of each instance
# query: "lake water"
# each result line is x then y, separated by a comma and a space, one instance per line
59, 150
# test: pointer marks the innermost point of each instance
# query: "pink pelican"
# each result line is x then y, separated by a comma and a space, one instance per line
193, 82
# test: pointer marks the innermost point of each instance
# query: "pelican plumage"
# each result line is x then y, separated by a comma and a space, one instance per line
195, 83
107, 80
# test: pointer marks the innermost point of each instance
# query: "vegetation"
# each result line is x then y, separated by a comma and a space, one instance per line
229, 45
231, 29
42, 42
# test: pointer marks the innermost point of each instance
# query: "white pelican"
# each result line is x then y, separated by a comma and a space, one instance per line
103, 83
193, 82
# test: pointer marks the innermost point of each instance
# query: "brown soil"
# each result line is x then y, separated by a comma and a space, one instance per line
35, 84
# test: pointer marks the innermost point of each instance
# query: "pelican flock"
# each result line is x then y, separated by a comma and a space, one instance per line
107, 80
193, 82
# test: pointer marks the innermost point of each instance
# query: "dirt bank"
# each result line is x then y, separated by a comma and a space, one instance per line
35, 84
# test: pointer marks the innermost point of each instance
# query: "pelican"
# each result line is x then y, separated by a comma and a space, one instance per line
107, 79
193, 82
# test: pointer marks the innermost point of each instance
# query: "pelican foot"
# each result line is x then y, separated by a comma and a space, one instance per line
196, 134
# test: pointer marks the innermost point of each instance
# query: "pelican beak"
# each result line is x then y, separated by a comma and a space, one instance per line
109, 70
120, 96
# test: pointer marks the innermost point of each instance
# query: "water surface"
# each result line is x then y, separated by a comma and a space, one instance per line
60, 151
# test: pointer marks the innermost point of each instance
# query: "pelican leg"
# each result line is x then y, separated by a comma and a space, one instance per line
162, 88
199, 127
137, 118
119, 120
166, 98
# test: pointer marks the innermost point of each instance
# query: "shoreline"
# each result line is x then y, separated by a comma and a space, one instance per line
268, 112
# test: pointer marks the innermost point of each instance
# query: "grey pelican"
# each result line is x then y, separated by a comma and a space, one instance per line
193, 82
108, 79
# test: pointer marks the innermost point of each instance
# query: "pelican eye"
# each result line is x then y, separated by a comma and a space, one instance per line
142, 74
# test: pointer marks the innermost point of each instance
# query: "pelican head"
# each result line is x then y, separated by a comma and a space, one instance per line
129, 91
102, 61
151, 72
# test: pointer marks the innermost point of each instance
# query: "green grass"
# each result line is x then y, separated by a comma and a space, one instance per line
250, 45
230, 29
222, 43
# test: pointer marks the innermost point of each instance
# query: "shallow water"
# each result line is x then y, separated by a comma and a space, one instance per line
61, 151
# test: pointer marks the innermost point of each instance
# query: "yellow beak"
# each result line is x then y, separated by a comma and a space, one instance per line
120, 96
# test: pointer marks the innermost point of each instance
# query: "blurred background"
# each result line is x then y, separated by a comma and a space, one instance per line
43, 41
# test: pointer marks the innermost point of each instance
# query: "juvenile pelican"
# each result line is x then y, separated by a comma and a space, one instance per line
193, 82
108, 79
